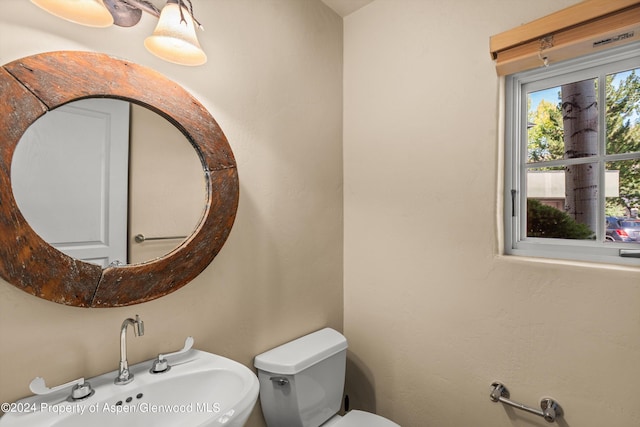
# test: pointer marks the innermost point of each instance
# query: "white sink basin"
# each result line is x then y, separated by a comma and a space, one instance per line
200, 389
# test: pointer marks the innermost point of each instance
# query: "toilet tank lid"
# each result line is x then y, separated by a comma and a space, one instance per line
297, 355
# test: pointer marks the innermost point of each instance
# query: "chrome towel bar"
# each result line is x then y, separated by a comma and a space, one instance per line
550, 409
140, 238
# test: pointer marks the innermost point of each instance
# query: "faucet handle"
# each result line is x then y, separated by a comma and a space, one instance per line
161, 365
188, 343
80, 390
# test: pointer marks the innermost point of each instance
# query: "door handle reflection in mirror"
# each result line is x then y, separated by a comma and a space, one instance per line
141, 238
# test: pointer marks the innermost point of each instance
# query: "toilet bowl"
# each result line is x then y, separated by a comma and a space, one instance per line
302, 382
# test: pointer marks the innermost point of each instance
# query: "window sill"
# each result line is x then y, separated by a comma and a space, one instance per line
597, 265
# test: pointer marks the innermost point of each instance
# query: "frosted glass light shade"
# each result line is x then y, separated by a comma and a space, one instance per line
91, 13
175, 41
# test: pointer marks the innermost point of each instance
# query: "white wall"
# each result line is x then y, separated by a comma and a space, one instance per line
274, 84
433, 313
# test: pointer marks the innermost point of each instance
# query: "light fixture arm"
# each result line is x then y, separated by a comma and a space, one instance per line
183, 3
150, 8
143, 5
126, 13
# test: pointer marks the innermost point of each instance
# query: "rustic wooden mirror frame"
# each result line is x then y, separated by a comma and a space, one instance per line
30, 87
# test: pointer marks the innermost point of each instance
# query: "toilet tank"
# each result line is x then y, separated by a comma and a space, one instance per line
301, 382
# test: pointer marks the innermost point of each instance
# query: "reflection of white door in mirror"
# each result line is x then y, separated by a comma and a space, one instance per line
69, 178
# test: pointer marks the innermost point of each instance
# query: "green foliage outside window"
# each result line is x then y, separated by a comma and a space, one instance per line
549, 222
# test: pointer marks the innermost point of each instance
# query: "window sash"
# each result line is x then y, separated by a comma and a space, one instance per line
516, 88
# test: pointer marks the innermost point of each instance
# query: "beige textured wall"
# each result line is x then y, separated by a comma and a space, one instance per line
432, 312
274, 84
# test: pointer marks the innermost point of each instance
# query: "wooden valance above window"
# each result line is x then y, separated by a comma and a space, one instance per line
585, 27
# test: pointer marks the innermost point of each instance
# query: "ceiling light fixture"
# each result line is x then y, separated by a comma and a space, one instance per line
173, 40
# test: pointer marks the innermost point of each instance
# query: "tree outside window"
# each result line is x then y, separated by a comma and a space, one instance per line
578, 148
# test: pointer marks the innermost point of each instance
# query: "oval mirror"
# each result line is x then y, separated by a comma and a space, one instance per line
35, 85
107, 181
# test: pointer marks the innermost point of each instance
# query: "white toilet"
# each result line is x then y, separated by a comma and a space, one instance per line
301, 384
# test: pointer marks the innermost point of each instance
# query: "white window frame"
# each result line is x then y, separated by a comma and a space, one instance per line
515, 202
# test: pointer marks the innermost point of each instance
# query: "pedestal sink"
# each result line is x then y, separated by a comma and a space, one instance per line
199, 389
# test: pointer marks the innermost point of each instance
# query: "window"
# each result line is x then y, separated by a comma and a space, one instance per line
572, 175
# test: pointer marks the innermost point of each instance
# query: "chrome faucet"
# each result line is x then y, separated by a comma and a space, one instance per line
124, 376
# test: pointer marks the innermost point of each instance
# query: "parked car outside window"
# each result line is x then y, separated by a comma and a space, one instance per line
623, 230
632, 227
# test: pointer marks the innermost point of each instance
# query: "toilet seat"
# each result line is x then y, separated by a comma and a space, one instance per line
357, 418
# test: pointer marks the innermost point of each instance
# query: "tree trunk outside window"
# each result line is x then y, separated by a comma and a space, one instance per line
580, 122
